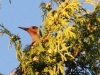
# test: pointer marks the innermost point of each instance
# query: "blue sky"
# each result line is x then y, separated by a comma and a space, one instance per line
19, 13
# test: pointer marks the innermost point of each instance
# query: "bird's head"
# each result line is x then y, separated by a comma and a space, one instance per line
33, 31
30, 30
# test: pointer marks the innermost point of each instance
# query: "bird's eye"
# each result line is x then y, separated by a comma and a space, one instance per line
33, 27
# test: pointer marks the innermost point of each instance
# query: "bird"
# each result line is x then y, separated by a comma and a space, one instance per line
33, 31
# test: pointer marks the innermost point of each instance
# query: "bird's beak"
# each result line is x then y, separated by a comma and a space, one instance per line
23, 28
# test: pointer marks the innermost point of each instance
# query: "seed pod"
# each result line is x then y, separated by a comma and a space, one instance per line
48, 6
